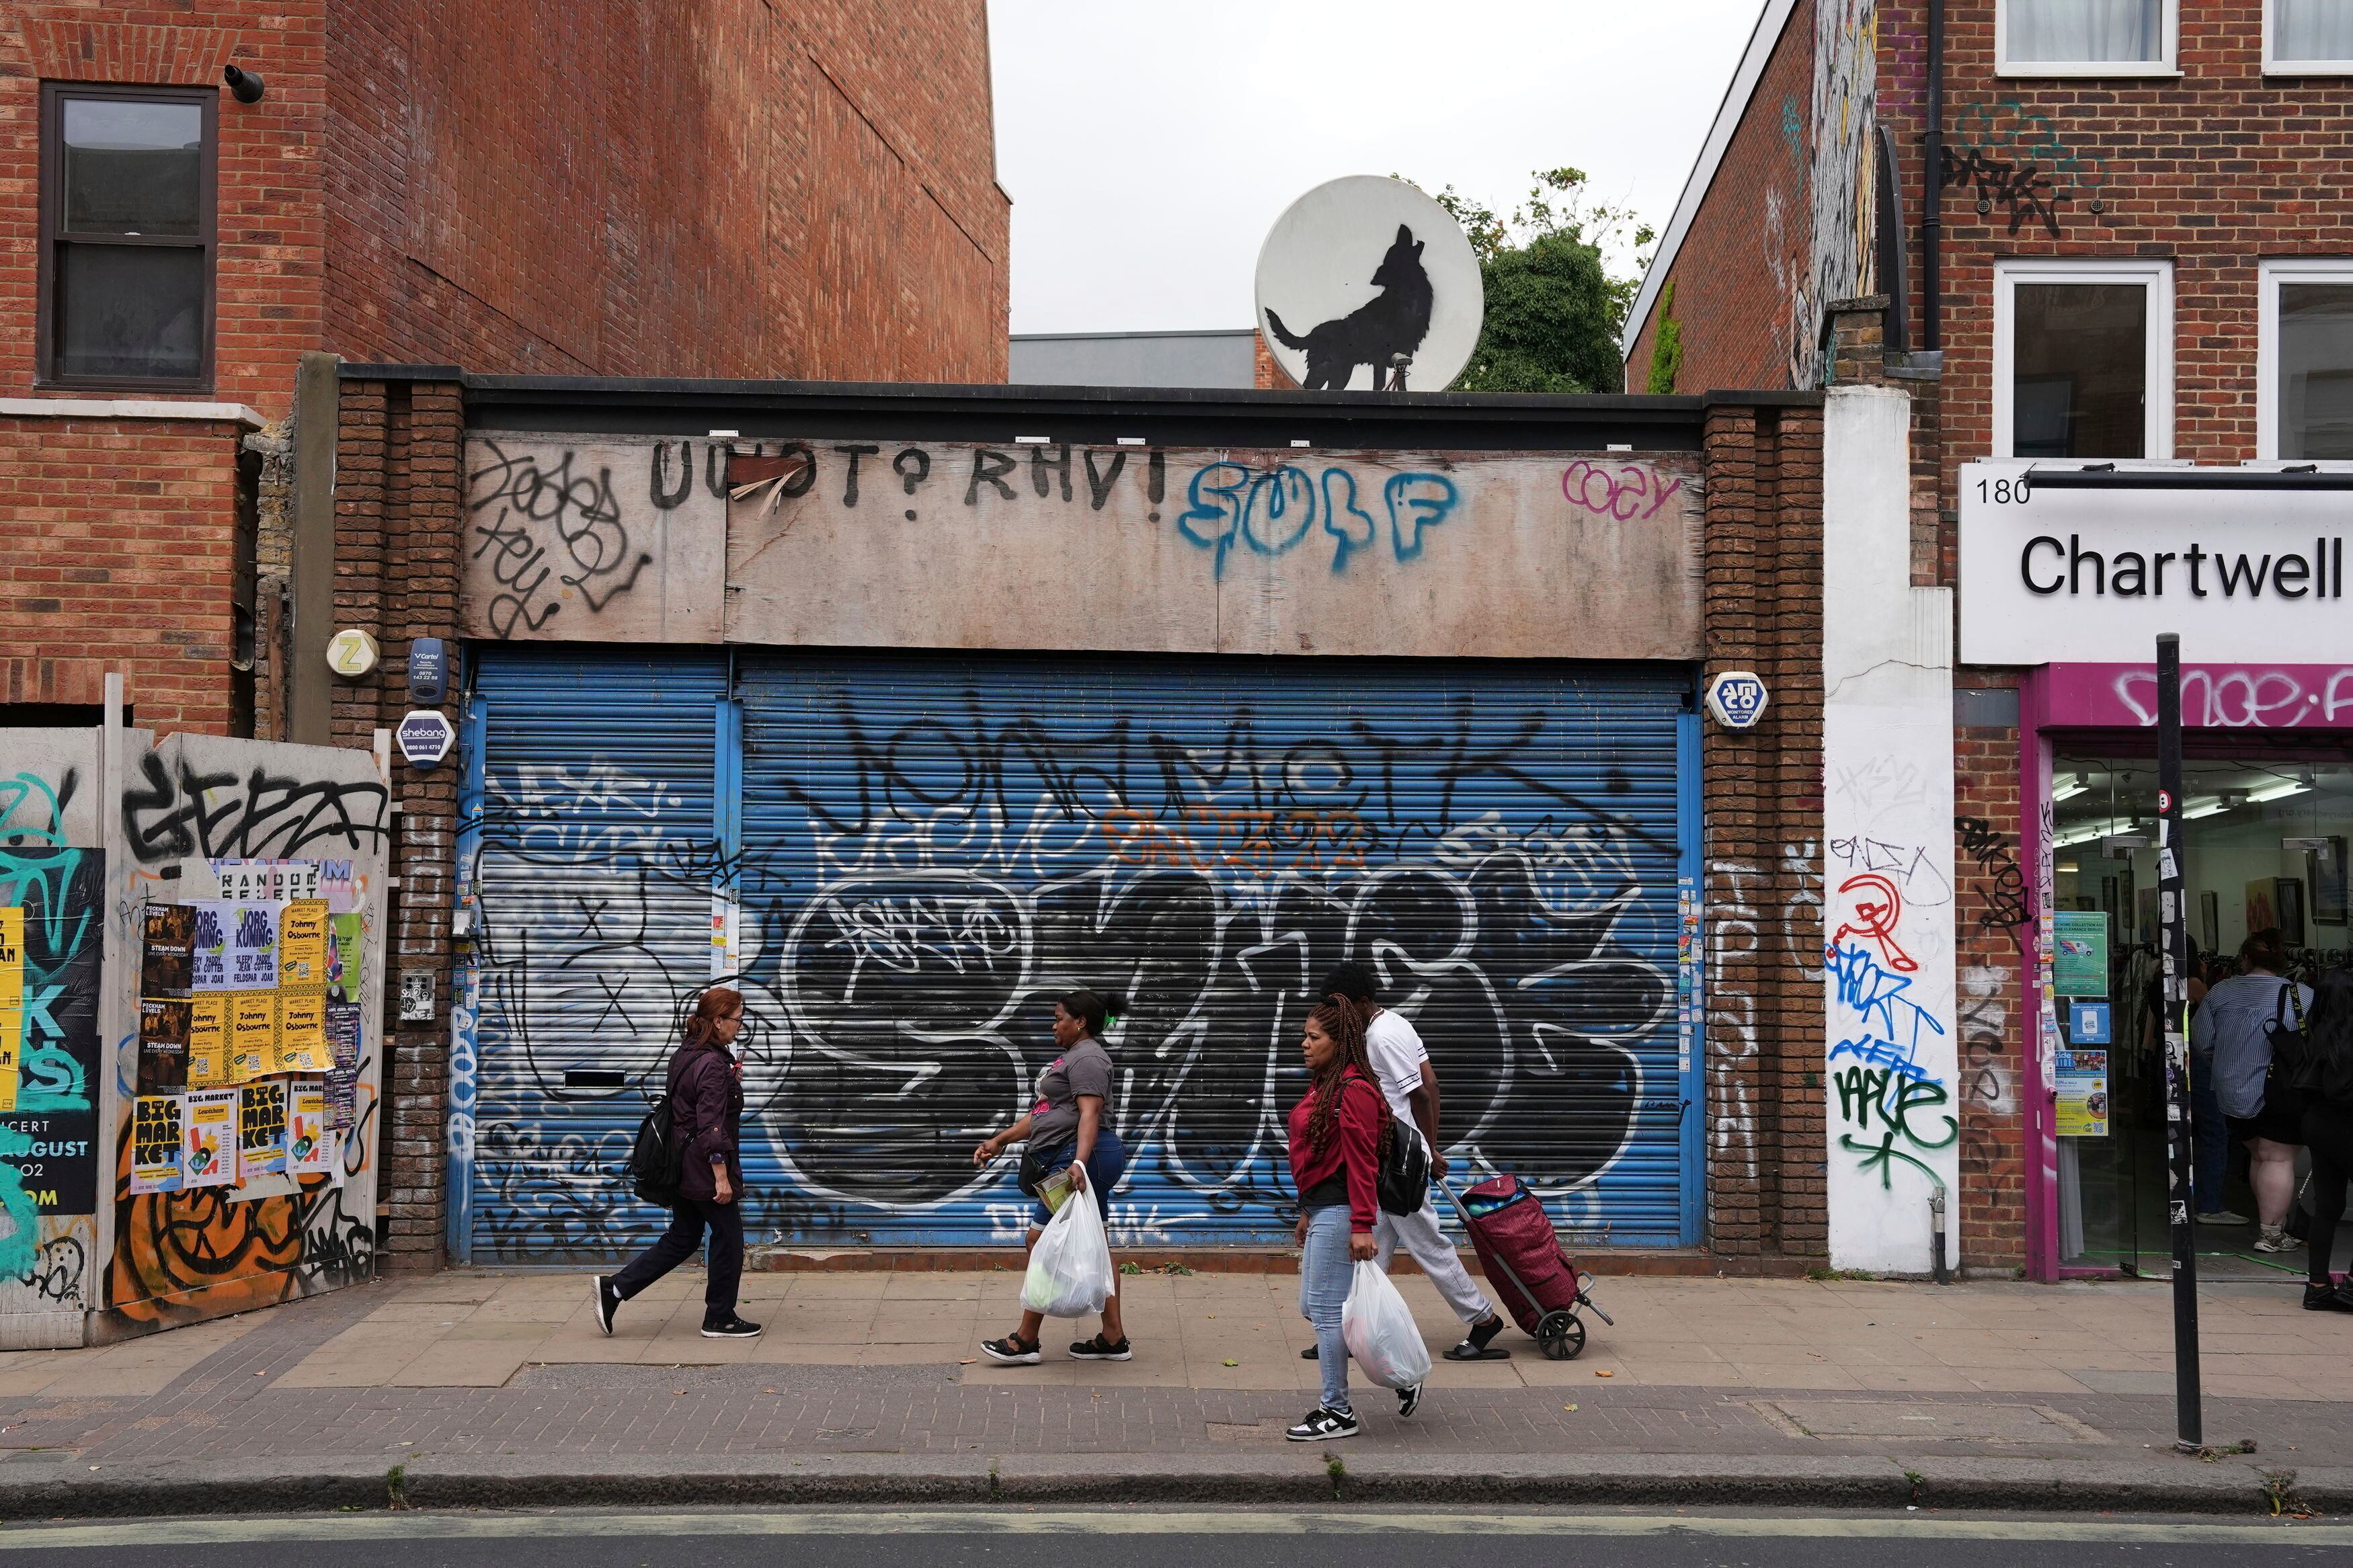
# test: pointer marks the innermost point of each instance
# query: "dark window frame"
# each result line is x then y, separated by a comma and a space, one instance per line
54, 95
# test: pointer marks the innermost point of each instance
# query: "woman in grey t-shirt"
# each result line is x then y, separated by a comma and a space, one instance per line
1069, 1125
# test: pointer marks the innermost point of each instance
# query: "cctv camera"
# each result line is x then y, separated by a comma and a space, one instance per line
243, 85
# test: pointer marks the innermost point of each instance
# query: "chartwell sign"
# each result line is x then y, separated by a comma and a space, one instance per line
2051, 575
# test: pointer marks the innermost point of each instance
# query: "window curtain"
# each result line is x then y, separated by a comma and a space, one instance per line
2072, 31
2312, 30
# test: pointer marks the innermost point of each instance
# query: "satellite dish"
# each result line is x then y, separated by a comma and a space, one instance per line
1367, 283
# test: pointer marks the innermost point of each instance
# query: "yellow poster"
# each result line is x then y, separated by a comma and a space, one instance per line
12, 1003
302, 943
208, 1040
310, 1146
252, 1034
302, 1032
156, 1143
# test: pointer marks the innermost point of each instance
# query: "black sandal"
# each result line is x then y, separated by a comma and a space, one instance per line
1474, 1344
1012, 1350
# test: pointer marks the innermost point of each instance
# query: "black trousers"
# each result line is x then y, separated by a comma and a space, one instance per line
2329, 1133
677, 1244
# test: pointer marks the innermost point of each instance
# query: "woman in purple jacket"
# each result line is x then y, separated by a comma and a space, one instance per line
706, 1101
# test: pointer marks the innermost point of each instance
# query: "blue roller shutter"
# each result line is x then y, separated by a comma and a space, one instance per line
934, 846
599, 841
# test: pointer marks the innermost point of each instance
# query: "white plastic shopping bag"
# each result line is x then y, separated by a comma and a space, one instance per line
1070, 1269
1380, 1331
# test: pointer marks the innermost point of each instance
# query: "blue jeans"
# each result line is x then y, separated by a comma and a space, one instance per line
2209, 1140
1104, 1168
1324, 1272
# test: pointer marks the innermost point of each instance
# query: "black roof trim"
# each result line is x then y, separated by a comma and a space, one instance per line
363, 371
1727, 397
1164, 416
2186, 479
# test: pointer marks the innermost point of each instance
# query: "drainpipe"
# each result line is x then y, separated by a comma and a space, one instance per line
1932, 179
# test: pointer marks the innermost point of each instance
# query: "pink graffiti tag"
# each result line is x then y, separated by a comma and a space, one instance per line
1631, 490
1877, 907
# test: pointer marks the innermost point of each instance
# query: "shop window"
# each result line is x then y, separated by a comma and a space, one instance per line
2086, 38
127, 227
2265, 838
2305, 362
2311, 37
2083, 360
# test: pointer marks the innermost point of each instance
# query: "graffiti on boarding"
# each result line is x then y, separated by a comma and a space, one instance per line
916, 892
933, 544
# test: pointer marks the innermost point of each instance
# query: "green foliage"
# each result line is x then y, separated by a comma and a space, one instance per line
1558, 283
1666, 344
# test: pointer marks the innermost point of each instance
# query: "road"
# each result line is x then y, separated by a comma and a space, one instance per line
1137, 1539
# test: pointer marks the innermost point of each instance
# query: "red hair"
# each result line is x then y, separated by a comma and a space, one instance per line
716, 1004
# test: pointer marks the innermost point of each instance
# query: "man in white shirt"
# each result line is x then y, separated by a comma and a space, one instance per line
1409, 1082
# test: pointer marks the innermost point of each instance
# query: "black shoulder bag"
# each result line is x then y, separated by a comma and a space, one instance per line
2288, 1080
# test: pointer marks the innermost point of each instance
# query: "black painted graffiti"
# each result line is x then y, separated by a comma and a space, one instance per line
262, 814
2003, 886
938, 882
2021, 189
517, 504
58, 1265
2014, 159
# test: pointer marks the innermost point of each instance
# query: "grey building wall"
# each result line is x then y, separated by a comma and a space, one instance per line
1134, 359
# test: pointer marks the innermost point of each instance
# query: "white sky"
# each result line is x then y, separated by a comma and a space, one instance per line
1149, 145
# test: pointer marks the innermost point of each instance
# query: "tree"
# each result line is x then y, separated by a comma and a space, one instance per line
1555, 303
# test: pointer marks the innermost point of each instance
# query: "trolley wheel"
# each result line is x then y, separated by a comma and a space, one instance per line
1561, 1336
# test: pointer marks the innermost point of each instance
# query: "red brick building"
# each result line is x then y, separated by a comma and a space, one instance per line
2115, 233
725, 189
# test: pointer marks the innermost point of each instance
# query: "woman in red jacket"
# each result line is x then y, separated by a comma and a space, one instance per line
1336, 1131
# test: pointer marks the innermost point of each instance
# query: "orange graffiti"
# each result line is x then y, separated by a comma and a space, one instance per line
1256, 841
1877, 908
180, 1258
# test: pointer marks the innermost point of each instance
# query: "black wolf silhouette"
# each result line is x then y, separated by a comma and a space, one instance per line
1378, 332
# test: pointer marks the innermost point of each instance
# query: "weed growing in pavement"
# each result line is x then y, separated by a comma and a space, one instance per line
395, 1487
1819, 1272
1339, 1474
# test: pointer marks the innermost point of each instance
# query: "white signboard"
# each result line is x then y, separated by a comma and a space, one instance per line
425, 737
2054, 576
1367, 283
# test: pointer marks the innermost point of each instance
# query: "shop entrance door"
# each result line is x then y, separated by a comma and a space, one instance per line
2267, 839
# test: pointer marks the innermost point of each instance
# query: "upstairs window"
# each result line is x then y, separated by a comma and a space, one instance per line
2086, 37
127, 230
2083, 360
2304, 407
2312, 38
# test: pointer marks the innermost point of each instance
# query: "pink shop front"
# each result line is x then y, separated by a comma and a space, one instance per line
2267, 715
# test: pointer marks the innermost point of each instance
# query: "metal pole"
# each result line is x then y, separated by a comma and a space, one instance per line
2174, 924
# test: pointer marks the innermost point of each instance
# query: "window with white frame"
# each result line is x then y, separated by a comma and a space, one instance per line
2086, 38
2083, 360
2307, 36
2303, 403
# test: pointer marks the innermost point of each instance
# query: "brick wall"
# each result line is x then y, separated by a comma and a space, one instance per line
1763, 829
1744, 270
397, 522
1989, 913
117, 557
725, 188
2213, 170
272, 228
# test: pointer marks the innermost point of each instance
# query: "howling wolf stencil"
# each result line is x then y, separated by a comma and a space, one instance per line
1379, 332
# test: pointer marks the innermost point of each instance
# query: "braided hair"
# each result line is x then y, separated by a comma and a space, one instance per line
1345, 1025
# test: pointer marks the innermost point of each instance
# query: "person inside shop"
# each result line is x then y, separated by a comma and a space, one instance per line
2233, 1030
2209, 1139
705, 1086
1070, 1126
2328, 1133
1336, 1132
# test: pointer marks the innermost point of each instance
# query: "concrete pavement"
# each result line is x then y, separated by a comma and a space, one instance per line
497, 1387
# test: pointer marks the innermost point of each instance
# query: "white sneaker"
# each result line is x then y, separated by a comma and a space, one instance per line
2275, 1238
2224, 1216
